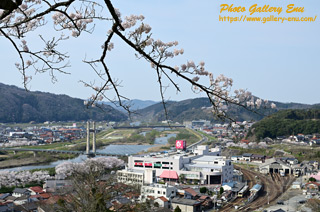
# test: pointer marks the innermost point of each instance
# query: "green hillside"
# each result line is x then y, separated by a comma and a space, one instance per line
287, 122
199, 108
20, 106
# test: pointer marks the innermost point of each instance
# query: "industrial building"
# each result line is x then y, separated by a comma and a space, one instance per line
275, 166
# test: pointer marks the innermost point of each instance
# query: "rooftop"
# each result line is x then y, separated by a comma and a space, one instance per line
212, 166
208, 158
183, 201
163, 199
191, 191
170, 174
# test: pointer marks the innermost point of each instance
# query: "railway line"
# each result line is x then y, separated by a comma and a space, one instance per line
273, 187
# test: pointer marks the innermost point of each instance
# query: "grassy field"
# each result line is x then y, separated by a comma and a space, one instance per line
210, 137
186, 134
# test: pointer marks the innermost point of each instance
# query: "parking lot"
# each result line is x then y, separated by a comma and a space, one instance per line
292, 200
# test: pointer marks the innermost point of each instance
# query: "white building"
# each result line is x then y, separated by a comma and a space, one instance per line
134, 176
213, 169
202, 165
158, 190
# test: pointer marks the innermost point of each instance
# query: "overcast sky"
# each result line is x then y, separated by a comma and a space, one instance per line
275, 61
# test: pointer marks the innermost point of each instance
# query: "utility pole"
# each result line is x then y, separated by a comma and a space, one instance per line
94, 138
88, 138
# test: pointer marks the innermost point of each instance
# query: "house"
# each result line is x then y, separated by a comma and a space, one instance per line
236, 158
186, 205
3, 196
315, 164
227, 186
21, 200
10, 198
206, 202
162, 202
258, 158
35, 190
247, 156
157, 190
292, 161
18, 192
27, 207
189, 193
119, 202
5, 208
243, 141
42, 196
54, 185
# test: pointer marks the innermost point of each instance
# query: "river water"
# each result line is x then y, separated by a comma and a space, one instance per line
110, 149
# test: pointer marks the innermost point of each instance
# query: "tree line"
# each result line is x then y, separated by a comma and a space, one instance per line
287, 122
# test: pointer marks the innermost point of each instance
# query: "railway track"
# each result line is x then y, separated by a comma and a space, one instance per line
273, 186
251, 181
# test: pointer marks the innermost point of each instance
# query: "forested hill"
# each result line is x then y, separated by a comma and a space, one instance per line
18, 105
199, 108
288, 122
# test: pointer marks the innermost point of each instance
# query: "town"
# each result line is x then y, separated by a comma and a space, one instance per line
203, 176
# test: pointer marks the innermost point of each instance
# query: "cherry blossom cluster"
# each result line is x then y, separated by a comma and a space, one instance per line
74, 21
18, 22
251, 145
79, 16
157, 52
19, 143
21, 178
67, 168
139, 33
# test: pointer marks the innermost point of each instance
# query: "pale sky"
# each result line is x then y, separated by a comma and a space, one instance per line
275, 61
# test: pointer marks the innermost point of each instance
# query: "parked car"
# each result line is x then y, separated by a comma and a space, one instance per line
280, 202
302, 201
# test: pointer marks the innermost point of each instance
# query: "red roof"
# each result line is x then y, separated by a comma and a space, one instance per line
169, 174
37, 189
203, 197
191, 191
45, 195
163, 199
314, 183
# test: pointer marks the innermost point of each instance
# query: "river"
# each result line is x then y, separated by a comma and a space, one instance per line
110, 149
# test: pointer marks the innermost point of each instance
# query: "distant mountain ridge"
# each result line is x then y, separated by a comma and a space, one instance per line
199, 108
135, 104
18, 105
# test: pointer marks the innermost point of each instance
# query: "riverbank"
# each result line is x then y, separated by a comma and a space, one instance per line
160, 143
40, 159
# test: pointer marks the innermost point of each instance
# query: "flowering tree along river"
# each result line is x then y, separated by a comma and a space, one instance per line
21, 178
